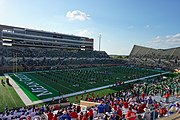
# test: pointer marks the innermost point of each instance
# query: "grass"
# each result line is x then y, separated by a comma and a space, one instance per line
65, 81
99, 93
9, 97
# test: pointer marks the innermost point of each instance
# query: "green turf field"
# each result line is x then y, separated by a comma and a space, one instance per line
47, 84
99, 93
9, 97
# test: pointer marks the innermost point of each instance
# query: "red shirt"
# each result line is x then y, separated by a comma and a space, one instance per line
130, 115
50, 115
125, 104
112, 103
143, 105
55, 117
166, 95
85, 117
162, 111
119, 112
115, 107
140, 109
80, 117
143, 95
73, 115
156, 105
90, 113
56, 107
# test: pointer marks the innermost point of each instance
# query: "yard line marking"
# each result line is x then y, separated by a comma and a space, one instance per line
53, 88
67, 88
41, 82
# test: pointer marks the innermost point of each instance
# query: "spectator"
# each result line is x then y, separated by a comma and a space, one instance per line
162, 112
50, 115
80, 116
65, 116
85, 116
147, 114
73, 115
125, 104
101, 109
130, 115
90, 113
119, 113
55, 117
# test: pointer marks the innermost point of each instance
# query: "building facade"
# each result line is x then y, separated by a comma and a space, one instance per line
17, 36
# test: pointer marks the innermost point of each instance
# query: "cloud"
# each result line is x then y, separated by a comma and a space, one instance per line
147, 26
177, 35
165, 41
84, 33
77, 15
157, 37
168, 36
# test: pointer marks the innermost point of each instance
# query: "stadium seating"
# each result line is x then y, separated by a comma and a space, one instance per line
157, 58
30, 58
140, 51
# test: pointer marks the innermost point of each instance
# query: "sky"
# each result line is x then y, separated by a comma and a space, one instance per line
121, 23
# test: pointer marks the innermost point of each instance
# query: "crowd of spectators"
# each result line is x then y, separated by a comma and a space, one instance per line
29, 59
49, 52
140, 102
10, 56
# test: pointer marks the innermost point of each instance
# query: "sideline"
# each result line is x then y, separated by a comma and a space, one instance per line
19, 91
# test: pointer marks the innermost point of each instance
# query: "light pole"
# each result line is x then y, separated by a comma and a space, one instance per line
99, 42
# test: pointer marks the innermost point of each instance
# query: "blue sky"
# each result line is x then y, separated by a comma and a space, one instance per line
121, 23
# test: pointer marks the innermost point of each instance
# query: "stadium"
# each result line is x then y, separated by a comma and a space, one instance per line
39, 67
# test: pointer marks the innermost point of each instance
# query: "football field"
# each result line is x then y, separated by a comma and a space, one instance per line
47, 84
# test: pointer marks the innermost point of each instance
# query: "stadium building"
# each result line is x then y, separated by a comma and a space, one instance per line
17, 36
24, 48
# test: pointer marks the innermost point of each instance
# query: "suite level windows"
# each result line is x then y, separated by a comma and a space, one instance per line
6, 30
